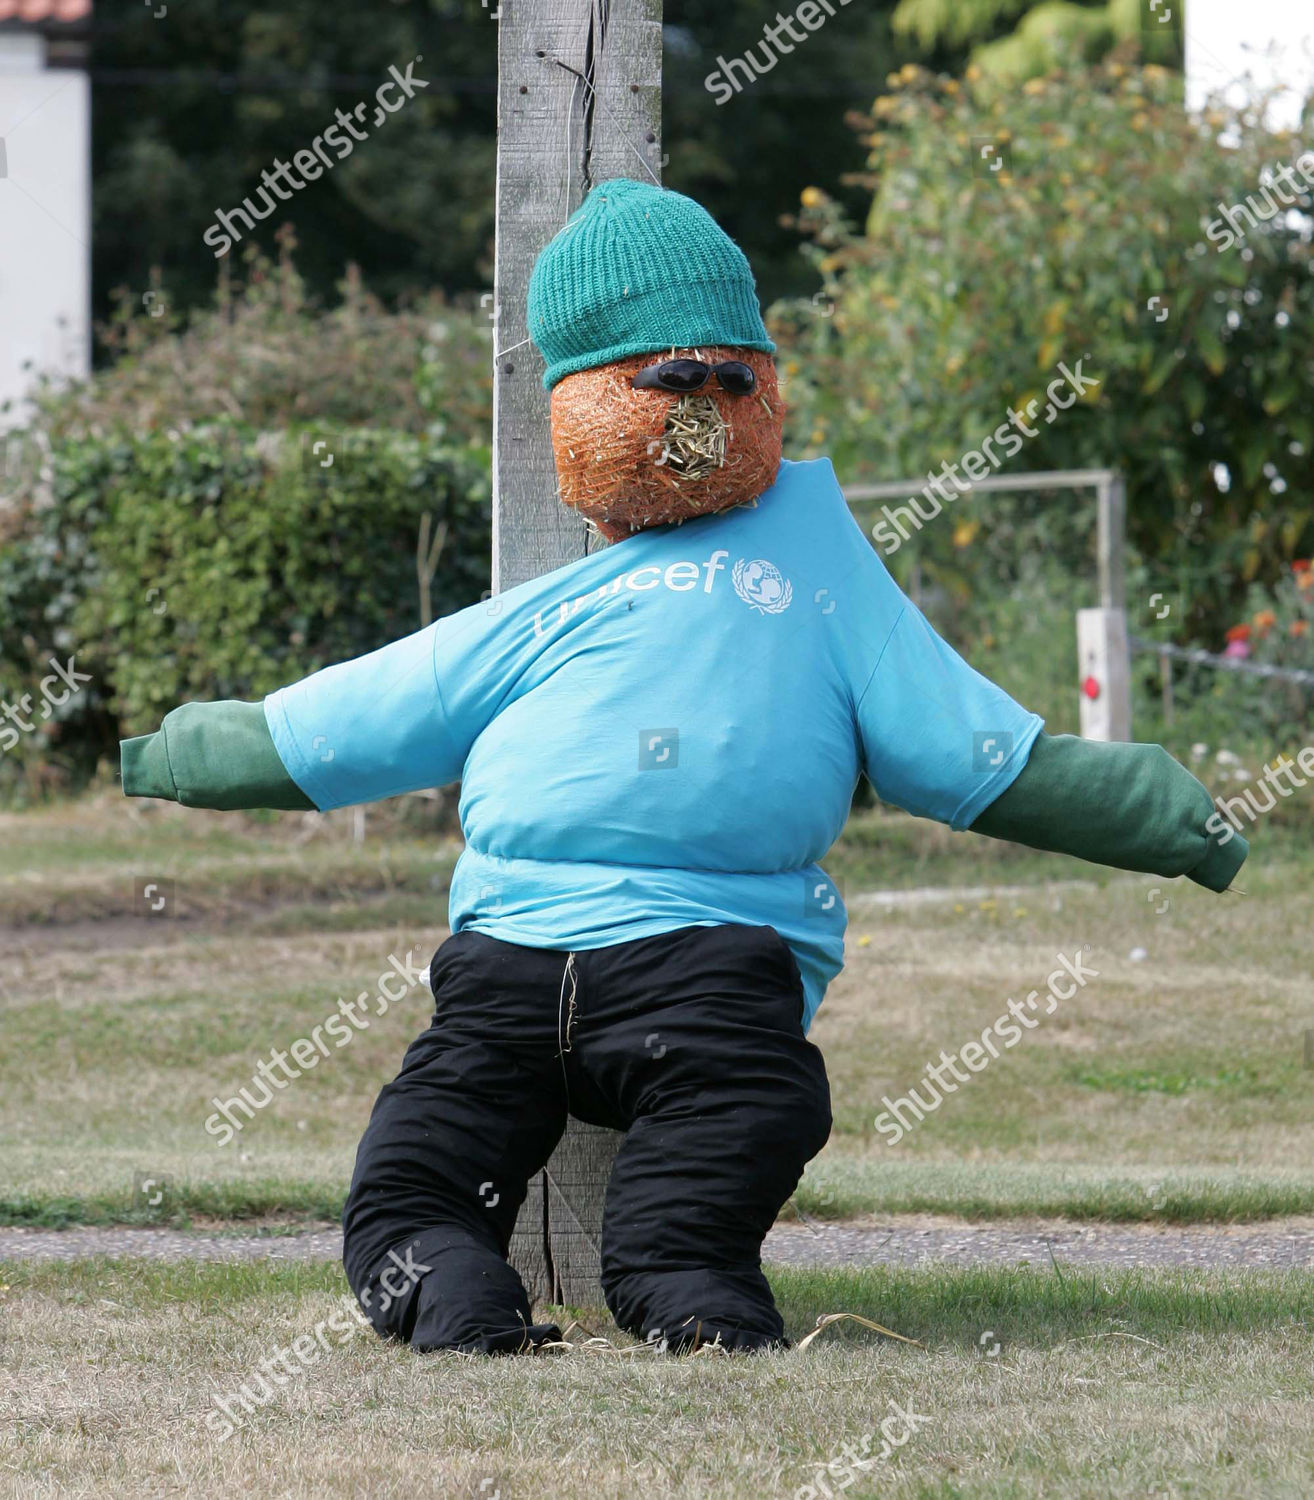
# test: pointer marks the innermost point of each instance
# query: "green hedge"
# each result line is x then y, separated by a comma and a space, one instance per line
219, 562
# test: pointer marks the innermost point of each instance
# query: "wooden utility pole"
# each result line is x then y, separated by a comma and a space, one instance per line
578, 101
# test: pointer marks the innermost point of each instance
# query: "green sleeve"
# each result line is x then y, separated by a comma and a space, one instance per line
211, 755
1130, 806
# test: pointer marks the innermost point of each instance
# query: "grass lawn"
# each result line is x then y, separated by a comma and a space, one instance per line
1171, 1088
1174, 1086
1027, 1384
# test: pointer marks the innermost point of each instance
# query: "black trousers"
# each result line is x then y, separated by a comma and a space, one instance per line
690, 1042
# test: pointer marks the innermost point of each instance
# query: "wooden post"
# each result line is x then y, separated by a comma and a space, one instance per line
1111, 540
1104, 658
1103, 651
578, 101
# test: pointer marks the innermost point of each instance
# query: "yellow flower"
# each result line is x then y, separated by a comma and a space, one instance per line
865, 940
951, 86
965, 532
972, 73
812, 197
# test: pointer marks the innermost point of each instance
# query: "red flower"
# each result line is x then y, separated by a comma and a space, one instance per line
1238, 633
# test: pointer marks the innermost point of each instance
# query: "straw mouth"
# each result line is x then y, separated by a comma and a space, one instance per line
695, 436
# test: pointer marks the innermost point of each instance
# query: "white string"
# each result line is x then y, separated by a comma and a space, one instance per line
512, 348
570, 140
597, 99
563, 1030
550, 1181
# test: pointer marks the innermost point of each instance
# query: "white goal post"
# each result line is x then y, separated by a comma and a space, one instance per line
1103, 652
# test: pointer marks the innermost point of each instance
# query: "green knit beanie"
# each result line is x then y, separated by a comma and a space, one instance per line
638, 269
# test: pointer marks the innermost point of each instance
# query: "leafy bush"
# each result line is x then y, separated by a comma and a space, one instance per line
233, 503
1083, 234
220, 562
1277, 633
266, 354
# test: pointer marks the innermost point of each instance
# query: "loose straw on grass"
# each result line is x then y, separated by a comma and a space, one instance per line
827, 1319
596, 1344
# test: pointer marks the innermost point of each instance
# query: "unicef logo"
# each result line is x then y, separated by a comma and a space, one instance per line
762, 585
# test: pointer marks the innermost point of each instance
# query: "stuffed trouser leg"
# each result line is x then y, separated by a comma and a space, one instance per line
693, 1042
442, 1170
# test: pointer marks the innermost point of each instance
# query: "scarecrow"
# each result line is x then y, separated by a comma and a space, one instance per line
656, 745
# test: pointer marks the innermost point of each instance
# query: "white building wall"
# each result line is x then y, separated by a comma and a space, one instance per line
45, 219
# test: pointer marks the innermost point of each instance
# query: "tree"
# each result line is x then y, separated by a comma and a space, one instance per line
747, 158
192, 107
1054, 34
1079, 222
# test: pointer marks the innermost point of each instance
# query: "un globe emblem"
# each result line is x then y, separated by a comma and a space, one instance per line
762, 585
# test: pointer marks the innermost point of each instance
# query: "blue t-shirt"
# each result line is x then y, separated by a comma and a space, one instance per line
668, 732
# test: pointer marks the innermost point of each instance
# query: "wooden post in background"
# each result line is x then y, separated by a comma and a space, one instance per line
1103, 651
1103, 656
578, 101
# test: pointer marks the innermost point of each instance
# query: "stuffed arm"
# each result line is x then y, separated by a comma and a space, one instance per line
218, 755
1130, 806
366, 729
942, 741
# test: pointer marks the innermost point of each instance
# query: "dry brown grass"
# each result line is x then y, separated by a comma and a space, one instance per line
109, 1373
1189, 1055
1189, 1061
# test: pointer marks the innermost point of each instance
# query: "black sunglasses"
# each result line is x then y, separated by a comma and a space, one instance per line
685, 375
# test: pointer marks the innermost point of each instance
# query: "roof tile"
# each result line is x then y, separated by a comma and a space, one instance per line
33, 12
